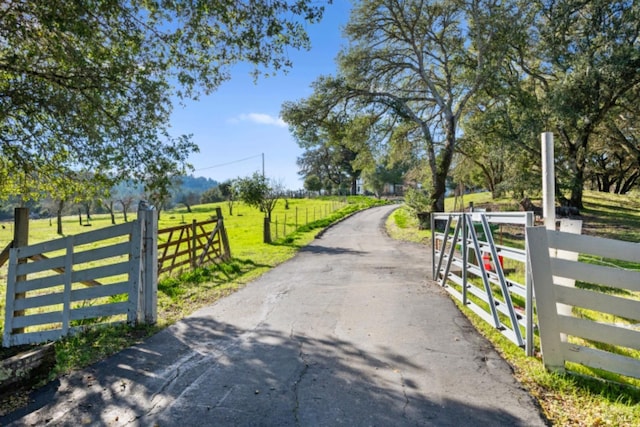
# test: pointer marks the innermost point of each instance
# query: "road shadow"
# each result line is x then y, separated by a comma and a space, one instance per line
317, 249
204, 372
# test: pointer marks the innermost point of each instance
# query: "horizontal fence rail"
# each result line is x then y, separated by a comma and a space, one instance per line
57, 287
612, 343
490, 279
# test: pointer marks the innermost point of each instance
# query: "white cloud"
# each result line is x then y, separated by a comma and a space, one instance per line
259, 118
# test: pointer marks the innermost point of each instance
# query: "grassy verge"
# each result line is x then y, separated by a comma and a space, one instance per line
568, 399
403, 225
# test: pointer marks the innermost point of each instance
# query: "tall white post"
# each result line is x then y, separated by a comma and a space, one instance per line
548, 181
149, 287
549, 212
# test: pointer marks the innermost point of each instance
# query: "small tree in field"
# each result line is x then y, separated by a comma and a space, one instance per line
228, 191
262, 193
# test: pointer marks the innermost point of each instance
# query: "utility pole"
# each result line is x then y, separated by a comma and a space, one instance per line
263, 165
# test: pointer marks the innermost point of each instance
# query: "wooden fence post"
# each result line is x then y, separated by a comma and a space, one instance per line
20, 238
194, 254
149, 285
223, 235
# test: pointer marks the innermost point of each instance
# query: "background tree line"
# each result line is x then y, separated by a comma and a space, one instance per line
122, 198
459, 91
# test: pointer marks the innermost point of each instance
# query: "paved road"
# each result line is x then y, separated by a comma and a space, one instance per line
349, 332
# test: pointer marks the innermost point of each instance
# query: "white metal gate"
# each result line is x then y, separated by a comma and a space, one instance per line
485, 276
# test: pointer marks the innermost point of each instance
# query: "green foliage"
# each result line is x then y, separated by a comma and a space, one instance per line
312, 183
498, 150
418, 200
382, 174
417, 71
337, 141
211, 195
577, 66
259, 192
227, 190
88, 87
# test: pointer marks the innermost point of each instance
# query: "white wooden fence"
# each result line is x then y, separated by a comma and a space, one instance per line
610, 345
57, 287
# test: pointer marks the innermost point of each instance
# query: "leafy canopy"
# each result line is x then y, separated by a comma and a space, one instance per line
259, 192
88, 85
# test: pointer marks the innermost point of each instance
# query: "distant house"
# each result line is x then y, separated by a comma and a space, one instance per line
387, 190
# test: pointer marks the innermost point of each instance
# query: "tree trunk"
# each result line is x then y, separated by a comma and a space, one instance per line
113, 216
442, 165
604, 184
266, 235
59, 216
577, 163
577, 189
629, 183
437, 194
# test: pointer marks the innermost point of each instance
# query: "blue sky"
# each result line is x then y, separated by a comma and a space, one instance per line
236, 124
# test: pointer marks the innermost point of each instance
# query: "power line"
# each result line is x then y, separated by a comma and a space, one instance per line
229, 163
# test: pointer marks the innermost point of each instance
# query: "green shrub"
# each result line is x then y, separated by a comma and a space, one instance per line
418, 200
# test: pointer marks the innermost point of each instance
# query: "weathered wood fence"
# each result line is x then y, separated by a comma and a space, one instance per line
573, 336
57, 287
192, 245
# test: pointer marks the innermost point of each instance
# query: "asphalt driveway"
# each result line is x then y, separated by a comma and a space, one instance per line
348, 332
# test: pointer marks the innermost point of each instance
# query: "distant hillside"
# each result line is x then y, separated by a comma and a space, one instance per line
196, 184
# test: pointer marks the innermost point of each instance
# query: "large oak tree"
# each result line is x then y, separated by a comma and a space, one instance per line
416, 64
583, 58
